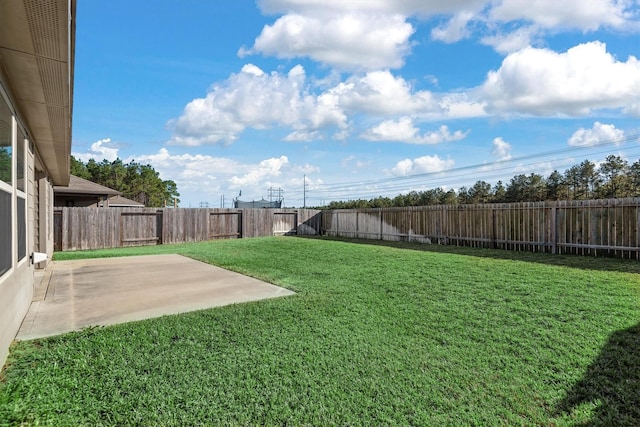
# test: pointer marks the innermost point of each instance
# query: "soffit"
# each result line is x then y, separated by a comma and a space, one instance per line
37, 44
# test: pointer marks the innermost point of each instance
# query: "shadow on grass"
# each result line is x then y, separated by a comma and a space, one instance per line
574, 261
612, 382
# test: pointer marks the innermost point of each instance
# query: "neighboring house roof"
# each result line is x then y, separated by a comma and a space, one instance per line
123, 202
37, 46
80, 186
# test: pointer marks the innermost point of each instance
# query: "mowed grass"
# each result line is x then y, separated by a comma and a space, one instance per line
377, 334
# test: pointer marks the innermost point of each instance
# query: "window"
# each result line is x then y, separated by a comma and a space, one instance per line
6, 190
5, 232
6, 121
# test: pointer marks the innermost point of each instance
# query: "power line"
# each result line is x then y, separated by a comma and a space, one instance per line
440, 178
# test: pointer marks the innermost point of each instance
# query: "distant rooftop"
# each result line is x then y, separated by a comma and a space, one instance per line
123, 202
79, 185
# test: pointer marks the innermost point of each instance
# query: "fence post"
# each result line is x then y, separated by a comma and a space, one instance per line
554, 227
160, 223
494, 235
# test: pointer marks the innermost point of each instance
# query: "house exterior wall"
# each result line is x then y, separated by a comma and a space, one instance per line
17, 283
37, 48
17, 279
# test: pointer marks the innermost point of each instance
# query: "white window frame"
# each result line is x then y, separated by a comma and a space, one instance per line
3, 185
10, 188
13, 190
20, 194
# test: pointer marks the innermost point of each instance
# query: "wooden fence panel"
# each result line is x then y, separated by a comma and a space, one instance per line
285, 223
585, 227
309, 222
595, 227
96, 228
257, 222
140, 228
225, 224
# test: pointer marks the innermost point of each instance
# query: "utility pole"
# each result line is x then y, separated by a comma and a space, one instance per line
304, 192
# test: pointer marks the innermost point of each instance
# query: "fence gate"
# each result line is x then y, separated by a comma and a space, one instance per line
140, 228
285, 223
225, 225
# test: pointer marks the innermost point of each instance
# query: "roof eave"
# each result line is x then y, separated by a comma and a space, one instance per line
37, 51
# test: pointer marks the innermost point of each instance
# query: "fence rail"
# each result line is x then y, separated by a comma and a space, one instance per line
589, 227
97, 228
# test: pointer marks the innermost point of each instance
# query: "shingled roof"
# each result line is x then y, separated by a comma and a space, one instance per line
123, 202
79, 185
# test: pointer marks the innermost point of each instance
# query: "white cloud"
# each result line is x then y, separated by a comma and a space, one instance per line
506, 43
376, 33
460, 105
455, 29
584, 79
424, 164
599, 133
202, 177
576, 82
404, 130
580, 14
253, 98
305, 169
542, 168
404, 7
266, 169
191, 171
254, 70
100, 150
380, 92
259, 100
501, 149
346, 41
354, 164
633, 109
355, 35
302, 136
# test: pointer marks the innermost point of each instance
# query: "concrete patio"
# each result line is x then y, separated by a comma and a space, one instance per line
72, 295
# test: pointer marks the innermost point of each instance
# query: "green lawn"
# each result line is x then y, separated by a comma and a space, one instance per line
378, 334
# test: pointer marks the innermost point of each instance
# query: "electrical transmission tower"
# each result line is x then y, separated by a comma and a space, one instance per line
276, 193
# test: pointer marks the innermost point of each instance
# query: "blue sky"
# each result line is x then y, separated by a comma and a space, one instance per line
363, 98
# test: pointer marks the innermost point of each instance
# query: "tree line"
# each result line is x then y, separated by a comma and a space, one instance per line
611, 179
134, 180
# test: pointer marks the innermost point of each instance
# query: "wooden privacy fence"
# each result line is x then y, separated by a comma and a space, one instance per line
98, 228
589, 227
